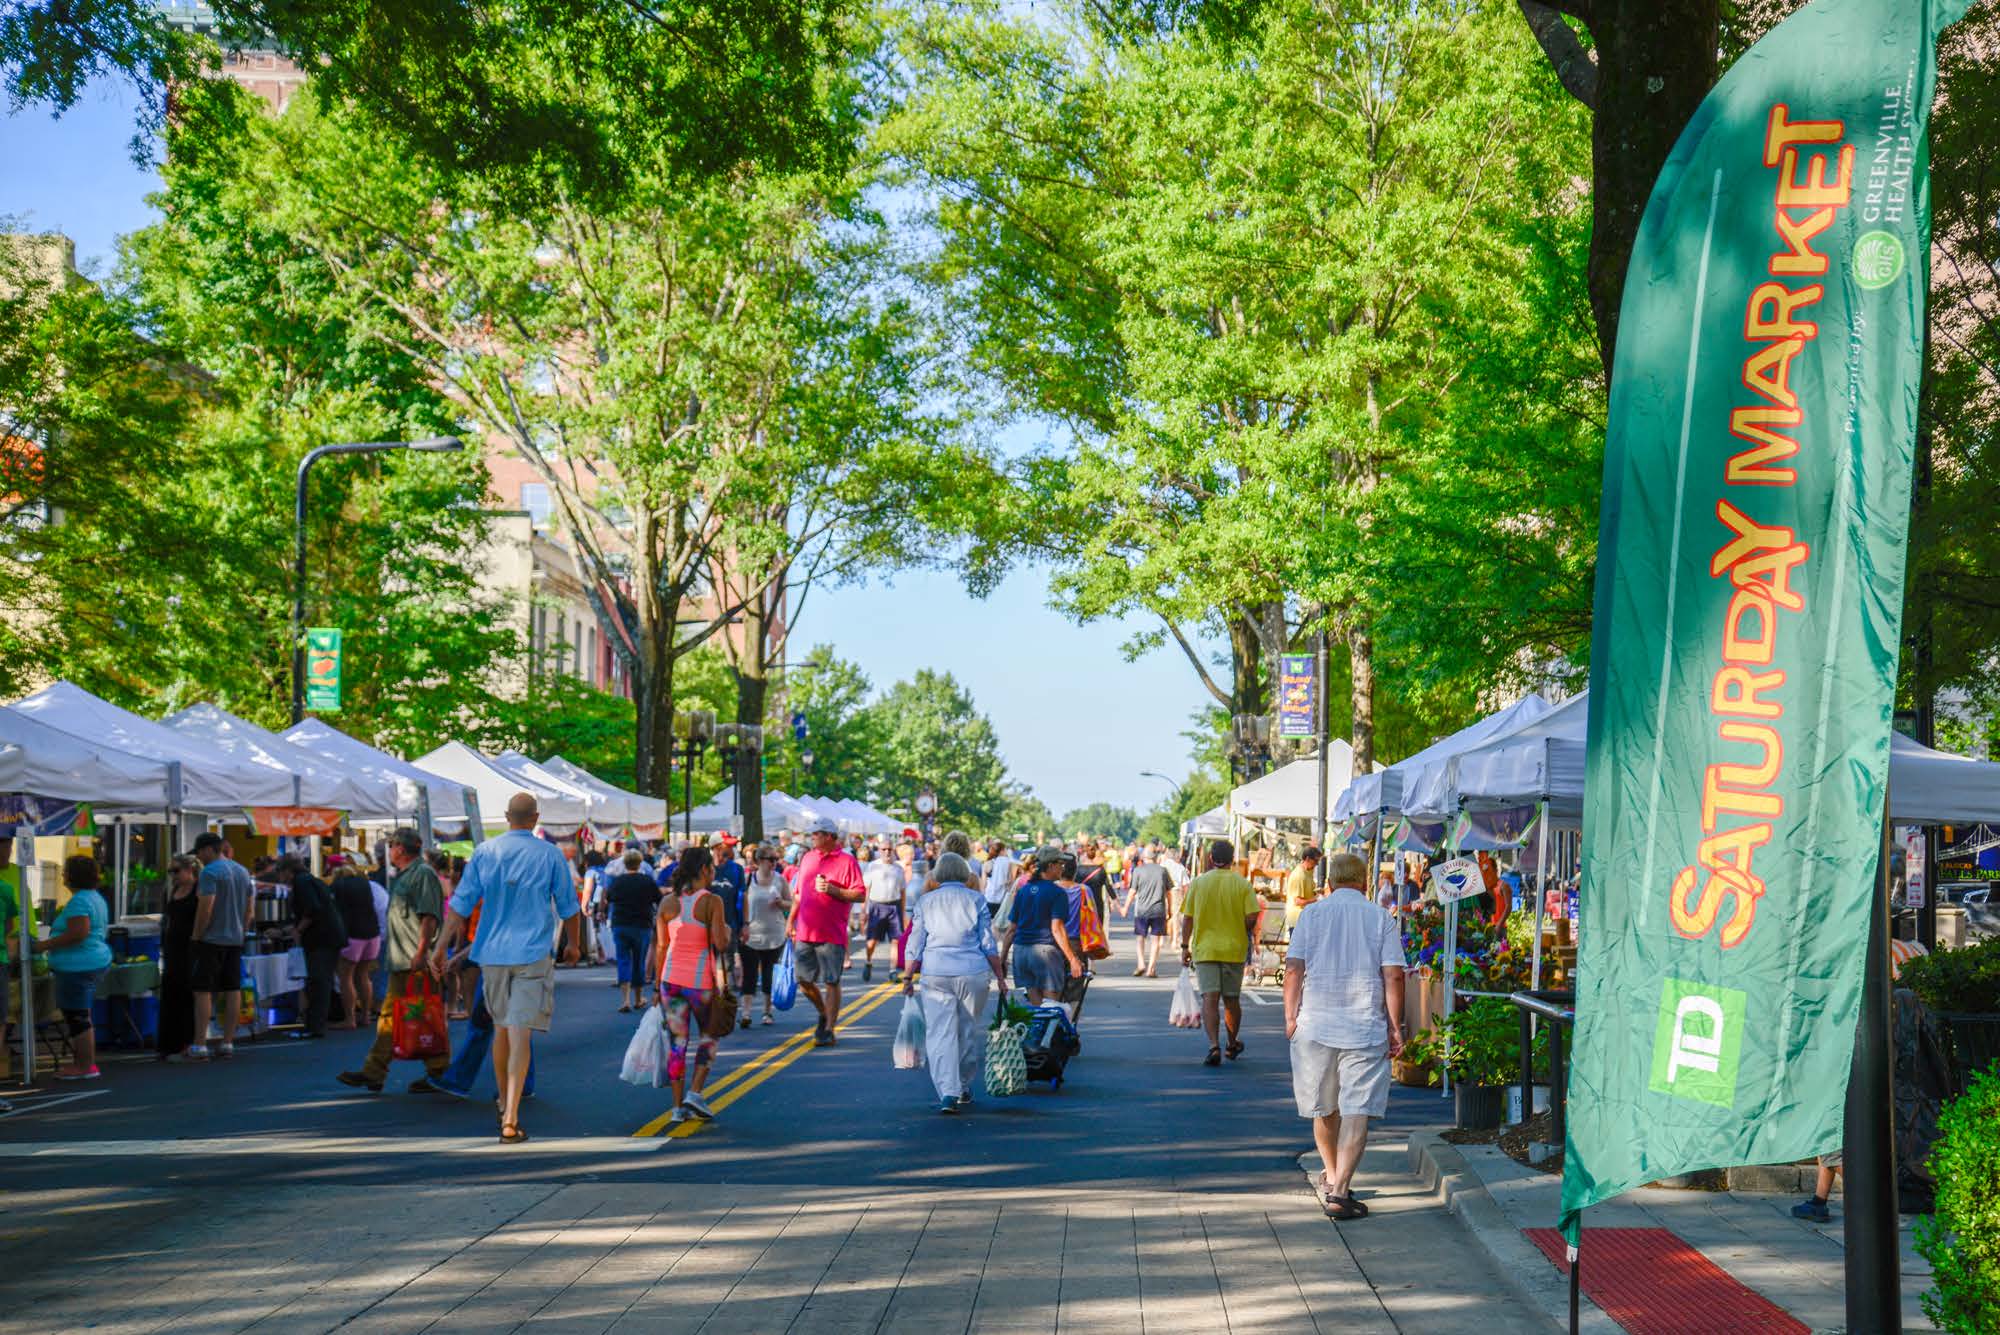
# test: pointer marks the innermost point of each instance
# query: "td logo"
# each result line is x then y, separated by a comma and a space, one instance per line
1696, 1042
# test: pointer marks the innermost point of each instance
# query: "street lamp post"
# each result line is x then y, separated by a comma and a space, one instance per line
432, 444
1180, 790
694, 729
741, 744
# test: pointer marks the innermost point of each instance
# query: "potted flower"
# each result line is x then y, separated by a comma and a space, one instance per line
1483, 1055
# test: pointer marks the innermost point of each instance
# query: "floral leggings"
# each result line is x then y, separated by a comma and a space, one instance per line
684, 1012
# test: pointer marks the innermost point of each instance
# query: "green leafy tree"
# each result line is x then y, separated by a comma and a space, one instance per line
1103, 820
843, 733
933, 735
509, 94
1025, 819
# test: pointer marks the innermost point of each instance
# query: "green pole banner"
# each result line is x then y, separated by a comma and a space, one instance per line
323, 670
1749, 604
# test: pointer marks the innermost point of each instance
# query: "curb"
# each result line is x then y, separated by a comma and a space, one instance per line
1445, 1176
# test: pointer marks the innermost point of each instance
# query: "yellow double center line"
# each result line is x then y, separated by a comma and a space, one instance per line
733, 1086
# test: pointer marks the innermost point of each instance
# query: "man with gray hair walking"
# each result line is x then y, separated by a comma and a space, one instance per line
1344, 1017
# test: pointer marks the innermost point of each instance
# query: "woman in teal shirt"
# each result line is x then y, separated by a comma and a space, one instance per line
78, 956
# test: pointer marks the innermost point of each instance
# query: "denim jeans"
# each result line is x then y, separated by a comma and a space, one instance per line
633, 943
464, 1068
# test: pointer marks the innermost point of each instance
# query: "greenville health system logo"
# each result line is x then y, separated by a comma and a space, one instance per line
1696, 1042
1878, 260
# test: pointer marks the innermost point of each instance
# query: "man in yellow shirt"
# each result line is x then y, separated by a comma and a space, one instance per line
1218, 921
1301, 888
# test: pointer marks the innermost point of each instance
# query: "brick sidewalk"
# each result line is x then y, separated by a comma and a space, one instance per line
597, 1257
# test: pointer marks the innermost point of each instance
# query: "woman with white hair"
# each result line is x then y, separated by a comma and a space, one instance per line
952, 951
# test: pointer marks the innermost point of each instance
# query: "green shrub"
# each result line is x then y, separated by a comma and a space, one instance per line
1957, 980
1485, 1045
1962, 1240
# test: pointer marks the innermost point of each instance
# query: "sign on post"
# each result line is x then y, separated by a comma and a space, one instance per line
1298, 693
323, 669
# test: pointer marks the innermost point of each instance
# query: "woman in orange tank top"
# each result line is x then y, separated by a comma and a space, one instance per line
691, 940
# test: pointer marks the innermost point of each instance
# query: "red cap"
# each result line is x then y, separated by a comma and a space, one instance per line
728, 838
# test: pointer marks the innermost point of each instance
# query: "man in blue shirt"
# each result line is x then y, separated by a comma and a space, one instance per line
522, 887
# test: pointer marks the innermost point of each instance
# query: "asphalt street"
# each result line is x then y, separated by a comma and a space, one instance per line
1138, 1112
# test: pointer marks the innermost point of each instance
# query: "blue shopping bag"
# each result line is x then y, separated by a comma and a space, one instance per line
784, 981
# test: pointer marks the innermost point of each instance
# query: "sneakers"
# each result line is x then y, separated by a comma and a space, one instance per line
698, 1105
423, 1084
769, 1018
356, 1080
92, 1074
965, 1100
1814, 1210
867, 973
196, 1053
895, 975
225, 1050
949, 1107
821, 1038
681, 1114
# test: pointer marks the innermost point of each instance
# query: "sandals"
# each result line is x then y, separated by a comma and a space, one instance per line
1344, 1208
512, 1135
1235, 1048
1214, 1057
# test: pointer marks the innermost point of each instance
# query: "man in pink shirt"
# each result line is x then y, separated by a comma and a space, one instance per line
828, 884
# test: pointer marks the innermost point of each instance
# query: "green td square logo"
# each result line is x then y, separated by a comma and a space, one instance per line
1696, 1042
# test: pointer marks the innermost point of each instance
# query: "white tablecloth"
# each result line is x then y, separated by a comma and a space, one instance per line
275, 975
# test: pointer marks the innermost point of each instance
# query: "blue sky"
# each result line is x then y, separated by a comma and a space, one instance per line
1076, 721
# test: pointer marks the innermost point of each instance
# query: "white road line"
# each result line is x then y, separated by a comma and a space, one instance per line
1256, 996
290, 1145
23, 1105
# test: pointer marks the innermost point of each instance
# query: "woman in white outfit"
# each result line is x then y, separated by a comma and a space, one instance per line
952, 950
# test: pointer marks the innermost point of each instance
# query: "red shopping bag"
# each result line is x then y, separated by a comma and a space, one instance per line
1095, 944
418, 1023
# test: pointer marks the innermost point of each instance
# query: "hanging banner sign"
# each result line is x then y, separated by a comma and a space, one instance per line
25, 813
1298, 695
323, 670
1749, 603
294, 822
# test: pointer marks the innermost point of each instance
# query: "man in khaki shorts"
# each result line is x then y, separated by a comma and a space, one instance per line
517, 878
1344, 1017
1218, 922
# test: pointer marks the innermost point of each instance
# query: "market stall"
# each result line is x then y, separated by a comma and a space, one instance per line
416, 789
318, 781
491, 786
45, 774
645, 817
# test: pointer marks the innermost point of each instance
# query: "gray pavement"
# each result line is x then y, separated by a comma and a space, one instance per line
1151, 1193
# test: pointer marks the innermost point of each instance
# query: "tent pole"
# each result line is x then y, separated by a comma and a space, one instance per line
24, 858
1541, 894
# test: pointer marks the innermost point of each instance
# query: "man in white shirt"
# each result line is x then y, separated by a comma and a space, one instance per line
1000, 866
887, 892
1344, 1017
1178, 878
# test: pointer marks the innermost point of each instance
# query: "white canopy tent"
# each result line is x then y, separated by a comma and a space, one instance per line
784, 812
41, 761
211, 780
715, 816
603, 808
1383, 790
322, 782
1544, 761
562, 811
1289, 792
447, 797
1211, 824
639, 810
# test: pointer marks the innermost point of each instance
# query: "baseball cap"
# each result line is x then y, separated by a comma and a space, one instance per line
822, 825
728, 839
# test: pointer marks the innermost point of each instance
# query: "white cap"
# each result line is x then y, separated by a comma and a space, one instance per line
822, 825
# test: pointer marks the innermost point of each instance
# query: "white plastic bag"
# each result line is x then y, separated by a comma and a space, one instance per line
1185, 1013
646, 1055
908, 1048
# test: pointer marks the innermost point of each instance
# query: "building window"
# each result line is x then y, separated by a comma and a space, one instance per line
576, 652
535, 500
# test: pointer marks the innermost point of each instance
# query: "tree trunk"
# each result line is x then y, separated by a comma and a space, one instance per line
653, 682
753, 684
1361, 694
1246, 659
1656, 60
